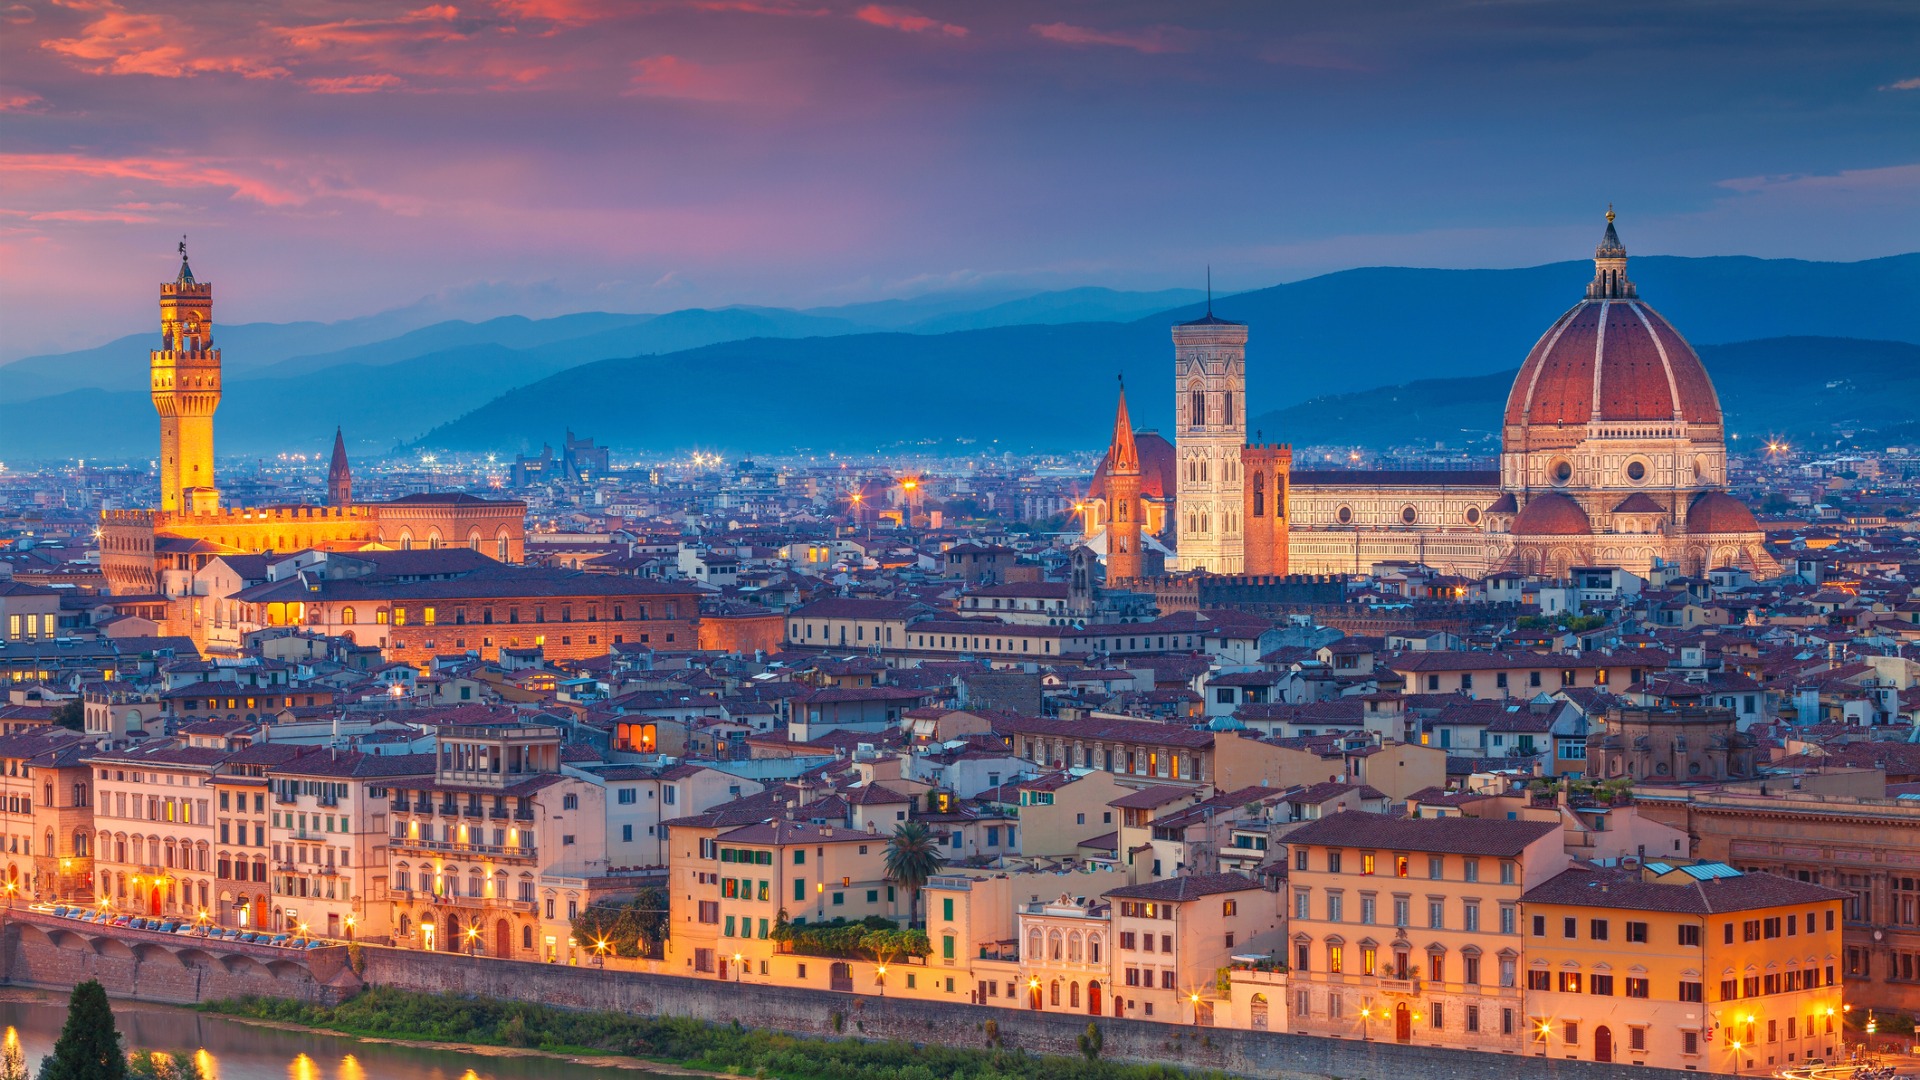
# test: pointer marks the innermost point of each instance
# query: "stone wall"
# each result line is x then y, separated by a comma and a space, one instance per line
1270, 1055
39, 951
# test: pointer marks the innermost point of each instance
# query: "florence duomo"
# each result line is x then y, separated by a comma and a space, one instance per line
897, 539
1613, 452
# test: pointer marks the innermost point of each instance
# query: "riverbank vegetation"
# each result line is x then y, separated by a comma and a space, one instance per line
723, 1048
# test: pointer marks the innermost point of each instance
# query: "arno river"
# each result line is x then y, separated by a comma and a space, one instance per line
238, 1051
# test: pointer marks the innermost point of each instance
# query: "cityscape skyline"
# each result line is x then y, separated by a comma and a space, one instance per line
802, 154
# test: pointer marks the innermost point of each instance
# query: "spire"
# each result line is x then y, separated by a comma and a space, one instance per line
186, 272
1124, 455
1610, 267
339, 474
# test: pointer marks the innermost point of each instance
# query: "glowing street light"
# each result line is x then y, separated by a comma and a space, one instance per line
473, 940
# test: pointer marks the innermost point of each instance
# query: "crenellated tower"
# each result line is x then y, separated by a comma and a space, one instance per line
339, 475
1264, 509
185, 372
1124, 507
1210, 380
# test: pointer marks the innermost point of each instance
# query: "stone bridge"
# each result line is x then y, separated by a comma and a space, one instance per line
39, 949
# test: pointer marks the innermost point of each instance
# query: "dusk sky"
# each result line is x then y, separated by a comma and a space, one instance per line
329, 160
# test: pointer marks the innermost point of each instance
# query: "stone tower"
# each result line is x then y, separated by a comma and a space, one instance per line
1210, 380
1263, 506
186, 390
339, 475
1123, 499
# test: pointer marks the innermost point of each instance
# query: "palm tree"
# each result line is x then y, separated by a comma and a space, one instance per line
913, 856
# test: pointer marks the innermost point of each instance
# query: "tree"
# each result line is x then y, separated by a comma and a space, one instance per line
71, 714
89, 1045
636, 928
913, 856
13, 1059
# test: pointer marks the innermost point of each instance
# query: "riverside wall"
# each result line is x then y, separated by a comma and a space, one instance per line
45, 953
56, 954
1269, 1055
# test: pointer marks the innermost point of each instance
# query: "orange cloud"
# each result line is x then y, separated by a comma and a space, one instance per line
119, 42
12, 100
433, 23
901, 19
1146, 41
354, 84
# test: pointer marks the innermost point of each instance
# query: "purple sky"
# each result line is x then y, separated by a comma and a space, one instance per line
536, 156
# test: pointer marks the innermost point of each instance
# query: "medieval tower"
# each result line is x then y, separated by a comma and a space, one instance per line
1263, 506
1210, 380
186, 390
1123, 499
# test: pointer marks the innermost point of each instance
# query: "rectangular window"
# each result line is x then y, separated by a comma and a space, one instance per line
1601, 985
1597, 929
1540, 980
1692, 991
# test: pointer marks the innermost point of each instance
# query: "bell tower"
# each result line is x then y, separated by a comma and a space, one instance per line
185, 372
339, 474
1210, 382
1124, 509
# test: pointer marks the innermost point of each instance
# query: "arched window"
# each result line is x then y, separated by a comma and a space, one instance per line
473, 539
526, 937
1259, 494
503, 547
406, 540
1073, 949
1093, 948
347, 616
1054, 991
1196, 410
1033, 945
1073, 994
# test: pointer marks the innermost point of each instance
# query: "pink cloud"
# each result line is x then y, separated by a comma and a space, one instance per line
354, 84
676, 77
12, 100
119, 42
1156, 40
759, 7
91, 217
165, 172
909, 21
1903, 84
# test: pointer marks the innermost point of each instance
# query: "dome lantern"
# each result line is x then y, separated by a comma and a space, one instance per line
1610, 268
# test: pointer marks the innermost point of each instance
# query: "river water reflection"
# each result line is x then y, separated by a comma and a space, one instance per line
238, 1051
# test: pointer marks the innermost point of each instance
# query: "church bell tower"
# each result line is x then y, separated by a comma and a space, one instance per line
1124, 509
185, 372
1210, 381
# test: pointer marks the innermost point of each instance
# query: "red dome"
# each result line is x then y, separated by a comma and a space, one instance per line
1719, 512
1552, 514
1158, 473
1612, 360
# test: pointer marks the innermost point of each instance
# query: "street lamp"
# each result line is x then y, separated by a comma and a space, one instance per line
1366, 1023
350, 925
880, 977
473, 940
1195, 999
600, 952
737, 967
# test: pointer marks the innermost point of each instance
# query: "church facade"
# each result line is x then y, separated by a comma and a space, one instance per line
1613, 453
158, 550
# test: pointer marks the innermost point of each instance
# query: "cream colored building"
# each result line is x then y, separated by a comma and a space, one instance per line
154, 828
1210, 420
1409, 929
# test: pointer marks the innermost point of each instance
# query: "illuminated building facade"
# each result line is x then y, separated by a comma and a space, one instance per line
158, 550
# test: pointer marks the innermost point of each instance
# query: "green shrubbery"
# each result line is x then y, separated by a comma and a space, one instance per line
696, 1044
872, 938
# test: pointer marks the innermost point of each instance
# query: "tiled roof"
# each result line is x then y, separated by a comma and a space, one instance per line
1591, 886
1450, 836
1190, 887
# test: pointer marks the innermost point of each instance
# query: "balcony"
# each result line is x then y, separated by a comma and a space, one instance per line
523, 815
453, 847
498, 813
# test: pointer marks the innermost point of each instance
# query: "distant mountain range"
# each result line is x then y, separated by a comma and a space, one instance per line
1801, 388
959, 372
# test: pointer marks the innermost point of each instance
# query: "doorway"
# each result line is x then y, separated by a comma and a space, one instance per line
503, 938
1402, 1023
1602, 1044
1093, 998
451, 942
